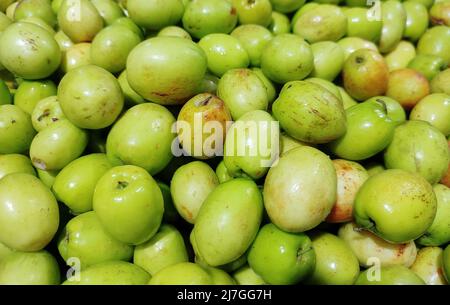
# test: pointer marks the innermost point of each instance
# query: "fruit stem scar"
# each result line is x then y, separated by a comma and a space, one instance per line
121, 185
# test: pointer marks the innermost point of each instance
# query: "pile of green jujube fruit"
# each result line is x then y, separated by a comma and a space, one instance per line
102, 180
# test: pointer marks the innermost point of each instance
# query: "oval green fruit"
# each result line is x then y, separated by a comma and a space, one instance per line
16, 130
46, 112
29, 93
218, 232
389, 275
435, 109
15, 163
182, 274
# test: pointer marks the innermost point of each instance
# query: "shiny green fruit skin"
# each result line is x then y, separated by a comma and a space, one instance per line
359, 25
390, 275
203, 17
419, 147
57, 145
400, 56
111, 46
224, 52
439, 232
246, 276
347, 100
396, 205
164, 249
35, 8
255, 12
109, 10
435, 109
280, 24
47, 177
395, 111
63, 41
428, 65
90, 97
281, 258
368, 247
170, 212
84, 237
440, 13
16, 130
435, 41
219, 277
218, 232
5, 95
287, 57
394, 20
369, 131
142, 137
29, 214
189, 194
153, 15
182, 274
131, 97
46, 112
222, 172
129, 204
127, 22
29, 268
15, 163
335, 262
328, 60
321, 23
76, 56
253, 38
439, 84
29, 51
287, 6
416, 20
174, 31
80, 20
4, 251
29, 93
75, 183
252, 153
111, 273
268, 84
166, 70
352, 44
320, 112
300, 191
242, 91
428, 266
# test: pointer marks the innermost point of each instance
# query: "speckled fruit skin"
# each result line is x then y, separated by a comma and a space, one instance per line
85, 238
203, 17
209, 108
111, 47
418, 147
350, 177
57, 145
189, 194
396, 205
287, 57
153, 15
428, 266
28, 213
308, 112
440, 13
46, 112
301, 190
90, 97
80, 20
35, 8
367, 246
336, 264
321, 23
166, 70
369, 131
365, 74
219, 236
29, 268
439, 232
74, 185
112, 273
408, 87
446, 179
390, 275
242, 91
29, 51
435, 109
142, 137
129, 204
16, 130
